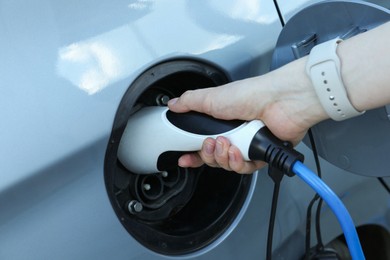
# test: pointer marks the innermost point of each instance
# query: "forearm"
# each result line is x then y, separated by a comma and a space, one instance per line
365, 68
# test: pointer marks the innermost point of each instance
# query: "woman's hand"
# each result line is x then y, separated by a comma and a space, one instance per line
283, 99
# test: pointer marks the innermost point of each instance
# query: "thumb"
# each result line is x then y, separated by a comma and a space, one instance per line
176, 105
189, 100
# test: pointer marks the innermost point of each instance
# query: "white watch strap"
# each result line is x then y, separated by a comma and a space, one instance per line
323, 67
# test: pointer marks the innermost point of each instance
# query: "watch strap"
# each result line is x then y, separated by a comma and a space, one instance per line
323, 67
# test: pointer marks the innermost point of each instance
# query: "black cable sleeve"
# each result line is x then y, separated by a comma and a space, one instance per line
320, 244
384, 184
315, 153
308, 226
278, 154
276, 176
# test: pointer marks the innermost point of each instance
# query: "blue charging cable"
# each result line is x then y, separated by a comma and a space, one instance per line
283, 159
336, 205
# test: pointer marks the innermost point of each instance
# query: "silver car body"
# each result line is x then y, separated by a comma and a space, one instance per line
65, 66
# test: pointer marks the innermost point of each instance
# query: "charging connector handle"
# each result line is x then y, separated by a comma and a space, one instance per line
336, 205
154, 139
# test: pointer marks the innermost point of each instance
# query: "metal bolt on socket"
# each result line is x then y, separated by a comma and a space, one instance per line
135, 207
162, 100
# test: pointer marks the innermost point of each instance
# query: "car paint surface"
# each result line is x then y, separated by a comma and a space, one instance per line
65, 66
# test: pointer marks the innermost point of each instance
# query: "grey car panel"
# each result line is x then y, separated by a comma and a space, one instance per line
65, 67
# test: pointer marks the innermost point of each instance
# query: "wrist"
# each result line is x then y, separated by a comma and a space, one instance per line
296, 87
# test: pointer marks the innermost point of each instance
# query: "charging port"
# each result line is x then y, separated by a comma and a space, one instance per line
181, 210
